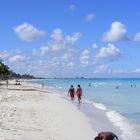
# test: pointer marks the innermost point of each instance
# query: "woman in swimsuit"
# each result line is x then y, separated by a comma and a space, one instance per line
79, 93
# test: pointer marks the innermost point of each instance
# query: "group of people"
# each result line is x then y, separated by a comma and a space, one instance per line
101, 135
72, 93
17, 82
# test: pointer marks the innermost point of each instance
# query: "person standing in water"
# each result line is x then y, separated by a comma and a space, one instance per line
79, 93
71, 92
42, 84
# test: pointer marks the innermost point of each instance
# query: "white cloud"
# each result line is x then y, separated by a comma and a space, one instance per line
27, 32
102, 69
66, 57
84, 59
95, 46
71, 65
119, 71
85, 52
71, 39
117, 32
110, 52
3, 54
34, 52
137, 37
44, 50
90, 17
18, 58
55, 61
105, 69
72, 7
136, 70
60, 41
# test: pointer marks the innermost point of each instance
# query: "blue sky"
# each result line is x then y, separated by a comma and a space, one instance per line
50, 38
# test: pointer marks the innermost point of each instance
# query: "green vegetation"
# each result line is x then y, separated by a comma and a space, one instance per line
4, 70
6, 73
19, 76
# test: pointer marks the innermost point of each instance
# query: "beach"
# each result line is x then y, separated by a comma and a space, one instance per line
69, 70
107, 108
28, 112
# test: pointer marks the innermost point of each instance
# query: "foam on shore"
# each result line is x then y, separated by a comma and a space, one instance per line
121, 122
103, 119
113, 121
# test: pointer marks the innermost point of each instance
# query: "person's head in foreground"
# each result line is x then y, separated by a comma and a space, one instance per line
106, 136
71, 86
78, 85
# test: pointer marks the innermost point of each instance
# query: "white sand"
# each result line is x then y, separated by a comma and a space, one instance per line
33, 114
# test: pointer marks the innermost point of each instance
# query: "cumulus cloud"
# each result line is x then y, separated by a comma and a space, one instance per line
137, 37
66, 57
102, 69
95, 46
44, 50
90, 17
34, 52
136, 70
84, 59
105, 69
55, 61
110, 52
71, 64
116, 32
119, 71
3, 54
60, 41
18, 58
27, 32
72, 7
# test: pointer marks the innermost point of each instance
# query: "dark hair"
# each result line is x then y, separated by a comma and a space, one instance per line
72, 86
97, 138
78, 85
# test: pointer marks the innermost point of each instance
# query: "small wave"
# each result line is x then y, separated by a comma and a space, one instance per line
58, 86
102, 83
99, 106
88, 102
127, 129
95, 85
121, 122
50, 87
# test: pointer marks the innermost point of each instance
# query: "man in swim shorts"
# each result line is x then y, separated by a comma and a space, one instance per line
71, 92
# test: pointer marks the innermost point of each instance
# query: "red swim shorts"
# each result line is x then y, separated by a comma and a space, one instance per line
79, 94
71, 95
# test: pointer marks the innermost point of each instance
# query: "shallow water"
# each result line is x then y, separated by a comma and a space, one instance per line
118, 100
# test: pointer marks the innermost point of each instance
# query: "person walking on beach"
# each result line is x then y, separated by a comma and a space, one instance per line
79, 93
71, 92
7, 83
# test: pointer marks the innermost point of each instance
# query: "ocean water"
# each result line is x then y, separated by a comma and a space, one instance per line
117, 99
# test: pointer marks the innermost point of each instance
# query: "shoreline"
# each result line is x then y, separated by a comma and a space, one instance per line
104, 119
98, 117
29, 112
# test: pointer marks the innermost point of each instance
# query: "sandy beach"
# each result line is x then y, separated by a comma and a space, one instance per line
28, 112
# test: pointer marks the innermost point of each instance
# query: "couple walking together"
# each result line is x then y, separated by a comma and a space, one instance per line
71, 92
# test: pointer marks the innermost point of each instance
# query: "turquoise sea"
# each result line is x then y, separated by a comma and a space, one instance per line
116, 99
